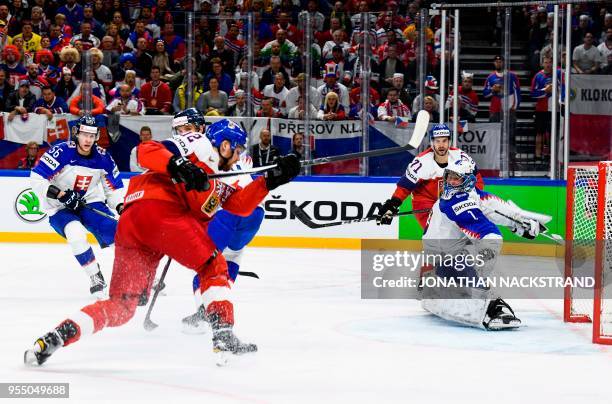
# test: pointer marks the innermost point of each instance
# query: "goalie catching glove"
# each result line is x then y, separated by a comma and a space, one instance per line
183, 170
389, 209
528, 228
287, 168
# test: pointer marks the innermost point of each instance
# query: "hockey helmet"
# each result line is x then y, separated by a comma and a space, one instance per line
462, 170
225, 129
188, 116
86, 124
439, 130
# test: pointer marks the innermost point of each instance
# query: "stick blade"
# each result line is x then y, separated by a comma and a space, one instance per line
420, 129
149, 325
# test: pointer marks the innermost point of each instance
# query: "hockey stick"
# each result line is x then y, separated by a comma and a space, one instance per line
419, 132
148, 324
543, 230
247, 273
54, 191
304, 218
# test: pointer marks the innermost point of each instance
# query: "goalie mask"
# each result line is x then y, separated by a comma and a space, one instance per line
458, 177
189, 116
87, 125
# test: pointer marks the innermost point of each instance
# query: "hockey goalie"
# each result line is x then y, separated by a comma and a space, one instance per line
464, 222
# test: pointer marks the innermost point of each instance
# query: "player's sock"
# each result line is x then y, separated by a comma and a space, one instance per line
65, 333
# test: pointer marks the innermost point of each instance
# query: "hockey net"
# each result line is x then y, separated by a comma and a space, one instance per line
588, 250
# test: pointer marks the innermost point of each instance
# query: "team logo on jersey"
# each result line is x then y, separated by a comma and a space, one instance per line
27, 206
81, 182
50, 161
463, 206
212, 203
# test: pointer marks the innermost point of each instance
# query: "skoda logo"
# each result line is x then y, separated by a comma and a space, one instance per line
27, 206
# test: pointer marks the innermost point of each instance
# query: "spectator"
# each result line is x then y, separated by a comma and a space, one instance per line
40, 24
78, 107
36, 82
213, 99
225, 81
145, 136
49, 104
398, 83
253, 97
298, 91
222, 53
264, 152
12, 64
431, 106
287, 49
123, 29
161, 59
127, 61
297, 145
327, 35
118, 43
72, 11
144, 61
110, 56
389, 66
179, 102
243, 71
139, 32
96, 26
586, 57
493, 90
31, 159
57, 39
65, 29
239, 109
605, 48
584, 27
607, 25
468, 99
299, 111
20, 101
541, 90
268, 75
236, 45
5, 89
25, 56
44, 59
317, 19
343, 69
102, 74
146, 15
66, 85
71, 58
267, 109
337, 41
31, 40
284, 22
331, 84
608, 68
392, 107
125, 104
277, 92
339, 13
175, 45
331, 109
156, 95
19, 13
86, 37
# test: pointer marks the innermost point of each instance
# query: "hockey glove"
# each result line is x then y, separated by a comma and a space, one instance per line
183, 170
528, 228
287, 168
389, 209
72, 200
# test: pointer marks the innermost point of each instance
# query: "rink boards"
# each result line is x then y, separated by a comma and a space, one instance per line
324, 199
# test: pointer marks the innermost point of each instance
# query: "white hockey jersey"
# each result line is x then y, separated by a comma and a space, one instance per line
96, 177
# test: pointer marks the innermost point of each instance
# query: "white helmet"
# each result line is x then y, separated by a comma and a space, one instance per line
462, 168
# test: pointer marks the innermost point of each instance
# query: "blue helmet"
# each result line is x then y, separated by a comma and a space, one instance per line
462, 169
225, 129
189, 115
86, 124
439, 130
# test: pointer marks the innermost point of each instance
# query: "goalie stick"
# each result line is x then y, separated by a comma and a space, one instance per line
419, 132
304, 218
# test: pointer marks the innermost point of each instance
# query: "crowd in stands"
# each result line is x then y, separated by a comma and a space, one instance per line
138, 58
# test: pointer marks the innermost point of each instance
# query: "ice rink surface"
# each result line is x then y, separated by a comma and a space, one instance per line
318, 341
